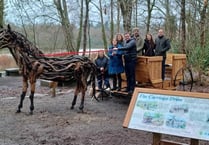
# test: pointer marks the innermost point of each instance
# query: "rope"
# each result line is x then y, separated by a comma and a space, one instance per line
71, 53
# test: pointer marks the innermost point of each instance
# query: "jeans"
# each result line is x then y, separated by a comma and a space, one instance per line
103, 78
130, 74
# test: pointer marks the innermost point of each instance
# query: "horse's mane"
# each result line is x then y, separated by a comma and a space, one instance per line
26, 46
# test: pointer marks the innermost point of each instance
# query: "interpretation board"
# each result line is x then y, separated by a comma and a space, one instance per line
184, 114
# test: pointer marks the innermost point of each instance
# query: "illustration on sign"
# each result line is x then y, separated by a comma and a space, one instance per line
175, 115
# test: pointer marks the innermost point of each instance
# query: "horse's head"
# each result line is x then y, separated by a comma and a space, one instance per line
7, 37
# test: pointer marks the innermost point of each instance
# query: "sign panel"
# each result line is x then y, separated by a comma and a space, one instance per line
182, 114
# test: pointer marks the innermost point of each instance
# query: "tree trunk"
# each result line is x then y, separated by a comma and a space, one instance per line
102, 24
67, 27
111, 21
183, 27
118, 16
80, 28
1, 12
126, 10
85, 27
150, 8
202, 24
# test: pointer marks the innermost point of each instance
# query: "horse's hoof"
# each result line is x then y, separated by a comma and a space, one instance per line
80, 111
18, 111
31, 113
71, 107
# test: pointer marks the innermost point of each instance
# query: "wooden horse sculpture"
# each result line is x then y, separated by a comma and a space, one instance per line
33, 65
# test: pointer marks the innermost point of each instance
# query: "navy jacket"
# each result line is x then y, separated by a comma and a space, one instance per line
130, 50
102, 62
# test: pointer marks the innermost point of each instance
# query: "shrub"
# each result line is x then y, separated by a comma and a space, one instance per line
7, 61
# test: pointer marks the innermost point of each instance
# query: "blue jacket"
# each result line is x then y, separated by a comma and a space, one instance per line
115, 61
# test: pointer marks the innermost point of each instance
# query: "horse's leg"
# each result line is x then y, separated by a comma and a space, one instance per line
83, 87
22, 97
75, 98
32, 87
82, 100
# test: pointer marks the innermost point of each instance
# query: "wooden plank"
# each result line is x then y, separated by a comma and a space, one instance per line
176, 93
12, 72
194, 142
167, 142
148, 69
156, 138
130, 110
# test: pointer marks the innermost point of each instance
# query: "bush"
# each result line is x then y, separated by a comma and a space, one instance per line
199, 57
7, 61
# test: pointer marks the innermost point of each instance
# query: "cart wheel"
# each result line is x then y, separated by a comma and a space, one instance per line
184, 79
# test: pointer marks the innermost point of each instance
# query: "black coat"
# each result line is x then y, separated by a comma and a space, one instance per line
162, 46
148, 49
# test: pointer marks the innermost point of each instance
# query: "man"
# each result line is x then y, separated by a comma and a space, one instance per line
130, 54
101, 62
162, 46
139, 40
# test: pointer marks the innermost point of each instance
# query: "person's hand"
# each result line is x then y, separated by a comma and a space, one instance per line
113, 53
101, 69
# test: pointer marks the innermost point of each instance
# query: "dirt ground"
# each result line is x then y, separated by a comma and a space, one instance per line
53, 123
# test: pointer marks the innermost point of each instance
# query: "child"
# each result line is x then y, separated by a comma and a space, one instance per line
116, 63
101, 62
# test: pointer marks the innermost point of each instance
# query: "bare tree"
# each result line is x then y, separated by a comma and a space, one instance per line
86, 19
202, 23
118, 16
150, 6
126, 10
1, 12
80, 27
61, 6
100, 8
183, 27
111, 19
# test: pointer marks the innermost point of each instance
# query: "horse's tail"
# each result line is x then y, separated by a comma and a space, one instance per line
92, 80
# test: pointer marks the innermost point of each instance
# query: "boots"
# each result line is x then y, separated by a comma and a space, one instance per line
114, 83
119, 84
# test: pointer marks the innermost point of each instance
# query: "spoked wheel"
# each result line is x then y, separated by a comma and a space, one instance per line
184, 79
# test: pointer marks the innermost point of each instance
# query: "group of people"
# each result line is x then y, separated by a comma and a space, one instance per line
128, 46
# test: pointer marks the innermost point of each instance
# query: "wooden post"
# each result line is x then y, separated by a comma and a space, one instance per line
194, 141
156, 138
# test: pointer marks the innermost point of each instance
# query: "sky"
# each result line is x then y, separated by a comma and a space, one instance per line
18, 13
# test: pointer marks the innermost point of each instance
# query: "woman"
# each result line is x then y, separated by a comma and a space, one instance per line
149, 46
116, 63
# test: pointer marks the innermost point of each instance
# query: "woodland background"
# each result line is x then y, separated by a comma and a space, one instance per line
73, 25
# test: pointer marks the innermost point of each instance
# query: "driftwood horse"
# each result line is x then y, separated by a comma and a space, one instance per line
33, 65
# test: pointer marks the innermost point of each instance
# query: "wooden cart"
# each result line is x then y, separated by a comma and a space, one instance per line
149, 69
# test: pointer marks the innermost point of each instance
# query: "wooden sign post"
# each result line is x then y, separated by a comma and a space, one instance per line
177, 113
